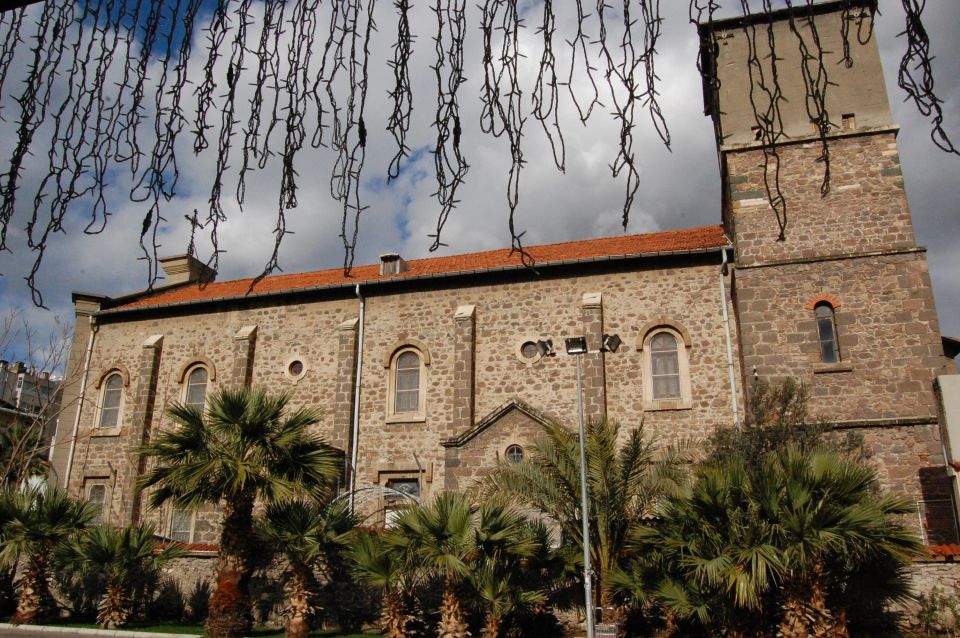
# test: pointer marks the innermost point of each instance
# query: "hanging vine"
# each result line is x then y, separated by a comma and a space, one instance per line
766, 98
401, 95
99, 89
916, 74
448, 160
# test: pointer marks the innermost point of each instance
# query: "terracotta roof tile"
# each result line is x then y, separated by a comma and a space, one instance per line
947, 551
193, 547
665, 242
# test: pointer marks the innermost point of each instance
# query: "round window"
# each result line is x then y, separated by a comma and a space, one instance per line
295, 368
529, 350
514, 453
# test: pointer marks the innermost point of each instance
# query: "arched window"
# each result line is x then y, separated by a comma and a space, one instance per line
665, 366
827, 332
407, 383
97, 496
111, 401
406, 389
195, 393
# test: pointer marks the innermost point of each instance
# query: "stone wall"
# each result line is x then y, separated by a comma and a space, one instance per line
853, 248
478, 351
865, 209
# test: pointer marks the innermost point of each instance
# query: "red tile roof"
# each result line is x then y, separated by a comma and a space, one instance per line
670, 242
946, 551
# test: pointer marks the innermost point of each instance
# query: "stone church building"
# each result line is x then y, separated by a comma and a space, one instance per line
428, 369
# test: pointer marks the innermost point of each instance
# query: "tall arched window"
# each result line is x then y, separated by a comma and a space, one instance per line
97, 497
195, 394
111, 401
407, 383
665, 366
827, 332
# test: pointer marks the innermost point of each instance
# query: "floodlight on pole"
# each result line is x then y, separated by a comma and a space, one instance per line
545, 347
576, 345
611, 343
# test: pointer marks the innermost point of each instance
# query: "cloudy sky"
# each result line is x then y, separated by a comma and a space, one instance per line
679, 187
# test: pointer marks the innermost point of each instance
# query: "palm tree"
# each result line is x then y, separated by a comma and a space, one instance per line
772, 548
625, 484
708, 557
439, 535
829, 521
36, 522
505, 542
306, 533
121, 555
243, 450
385, 566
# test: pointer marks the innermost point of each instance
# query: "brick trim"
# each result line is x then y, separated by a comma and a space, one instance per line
193, 362
114, 367
407, 343
821, 297
664, 322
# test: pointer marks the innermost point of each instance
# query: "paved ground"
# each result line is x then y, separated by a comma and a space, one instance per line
70, 632
33, 633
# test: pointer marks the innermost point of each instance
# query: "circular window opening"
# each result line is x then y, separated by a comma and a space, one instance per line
295, 368
529, 350
514, 454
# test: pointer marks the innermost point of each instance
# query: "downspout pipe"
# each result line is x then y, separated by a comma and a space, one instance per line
726, 325
83, 390
355, 435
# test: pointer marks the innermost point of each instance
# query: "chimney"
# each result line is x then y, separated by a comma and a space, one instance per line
19, 367
44, 376
392, 264
186, 269
3, 364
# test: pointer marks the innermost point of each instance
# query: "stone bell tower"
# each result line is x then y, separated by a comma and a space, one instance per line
829, 286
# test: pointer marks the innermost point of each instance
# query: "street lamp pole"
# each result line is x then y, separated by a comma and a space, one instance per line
577, 347
585, 509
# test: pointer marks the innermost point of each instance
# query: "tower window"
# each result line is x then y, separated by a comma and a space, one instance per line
827, 332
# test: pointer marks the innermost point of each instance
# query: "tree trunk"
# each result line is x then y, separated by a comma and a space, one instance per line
491, 628
114, 607
300, 602
393, 615
609, 611
230, 614
452, 623
805, 611
35, 598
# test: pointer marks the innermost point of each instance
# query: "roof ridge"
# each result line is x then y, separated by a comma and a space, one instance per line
687, 240
481, 252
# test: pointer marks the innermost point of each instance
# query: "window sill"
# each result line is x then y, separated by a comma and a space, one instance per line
407, 417
829, 368
106, 432
667, 404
